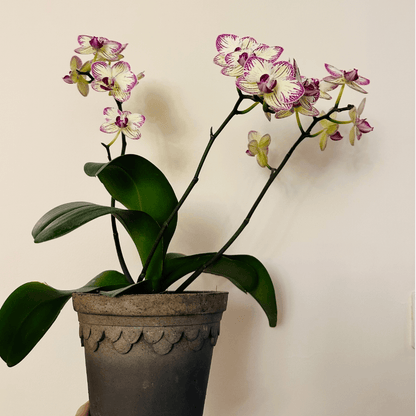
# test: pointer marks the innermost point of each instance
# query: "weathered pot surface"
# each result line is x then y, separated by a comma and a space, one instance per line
149, 355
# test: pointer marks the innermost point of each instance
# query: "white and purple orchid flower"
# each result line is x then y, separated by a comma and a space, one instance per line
350, 78
234, 52
304, 105
102, 48
258, 146
274, 81
330, 130
360, 126
74, 77
117, 80
117, 121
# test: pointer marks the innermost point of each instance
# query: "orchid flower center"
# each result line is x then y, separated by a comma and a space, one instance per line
266, 85
96, 43
108, 84
351, 75
121, 122
243, 58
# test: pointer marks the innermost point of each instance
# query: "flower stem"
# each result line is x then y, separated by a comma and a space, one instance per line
120, 256
273, 175
339, 96
298, 121
339, 122
195, 179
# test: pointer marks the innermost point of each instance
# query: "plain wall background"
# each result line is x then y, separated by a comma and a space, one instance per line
336, 231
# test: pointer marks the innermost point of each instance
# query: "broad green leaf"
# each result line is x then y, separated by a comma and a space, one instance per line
138, 185
144, 287
264, 291
246, 272
32, 308
26, 316
108, 280
143, 230
66, 218
141, 227
176, 266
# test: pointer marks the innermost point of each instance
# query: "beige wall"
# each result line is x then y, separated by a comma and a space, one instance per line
336, 231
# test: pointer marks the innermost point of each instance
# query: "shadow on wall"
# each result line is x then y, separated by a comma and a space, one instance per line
228, 387
165, 125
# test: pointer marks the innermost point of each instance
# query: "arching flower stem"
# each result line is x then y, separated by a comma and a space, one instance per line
273, 175
120, 256
195, 179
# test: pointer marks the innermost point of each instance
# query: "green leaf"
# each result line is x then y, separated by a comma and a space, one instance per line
32, 308
138, 185
246, 272
108, 280
263, 292
141, 227
66, 218
143, 230
144, 287
26, 316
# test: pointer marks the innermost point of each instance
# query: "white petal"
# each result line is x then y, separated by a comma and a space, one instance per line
227, 43
361, 107
254, 135
248, 87
109, 128
136, 119
101, 70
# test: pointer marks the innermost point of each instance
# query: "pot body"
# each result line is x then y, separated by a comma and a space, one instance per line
149, 355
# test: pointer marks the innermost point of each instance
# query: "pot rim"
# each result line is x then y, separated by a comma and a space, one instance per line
155, 304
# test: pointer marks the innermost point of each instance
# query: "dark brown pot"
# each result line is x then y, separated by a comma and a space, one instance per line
149, 355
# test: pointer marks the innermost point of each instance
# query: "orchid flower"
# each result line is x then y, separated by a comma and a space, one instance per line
102, 48
75, 78
350, 78
118, 80
305, 103
275, 82
234, 53
117, 121
330, 130
258, 146
360, 126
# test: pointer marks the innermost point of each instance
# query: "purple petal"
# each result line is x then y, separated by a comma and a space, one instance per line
333, 71
336, 136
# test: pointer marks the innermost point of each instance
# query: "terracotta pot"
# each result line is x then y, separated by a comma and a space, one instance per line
149, 355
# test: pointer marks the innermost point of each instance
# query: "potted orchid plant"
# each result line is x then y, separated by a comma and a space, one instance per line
265, 83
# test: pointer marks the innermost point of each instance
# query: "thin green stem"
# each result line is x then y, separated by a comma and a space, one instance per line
298, 121
339, 96
316, 134
339, 122
247, 109
195, 179
113, 219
